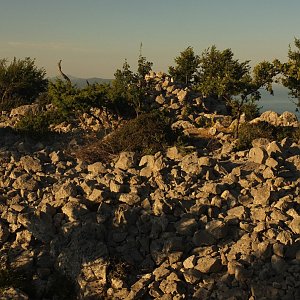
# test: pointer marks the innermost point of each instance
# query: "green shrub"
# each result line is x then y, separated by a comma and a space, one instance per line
250, 109
249, 132
146, 134
37, 125
20, 82
296, 135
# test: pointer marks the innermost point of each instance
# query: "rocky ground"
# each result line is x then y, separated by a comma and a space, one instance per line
175, 225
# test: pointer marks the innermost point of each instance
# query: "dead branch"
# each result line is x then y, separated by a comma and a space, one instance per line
63, 74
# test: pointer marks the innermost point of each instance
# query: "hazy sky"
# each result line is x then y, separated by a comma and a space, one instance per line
93, 37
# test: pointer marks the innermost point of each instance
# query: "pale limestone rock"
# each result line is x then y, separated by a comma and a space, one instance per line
130, 199
258, 155
209, 265
294, 225
97, 168
126, 160
31, 164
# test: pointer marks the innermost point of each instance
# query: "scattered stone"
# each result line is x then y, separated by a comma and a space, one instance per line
129, 199
258, 155
126, 160
191, 223
209, 265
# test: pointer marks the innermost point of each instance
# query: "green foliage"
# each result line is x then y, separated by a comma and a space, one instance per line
37, 125
248, 132
220, 75
71, 101
122, 86
291, 71
250, 109
186, 67
131, 89
146, 134
204, 122
296, 135
20, 82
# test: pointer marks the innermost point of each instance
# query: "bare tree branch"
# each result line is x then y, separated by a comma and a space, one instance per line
63, 74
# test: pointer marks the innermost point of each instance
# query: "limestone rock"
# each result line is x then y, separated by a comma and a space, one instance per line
209, 265
173, 153
217, 228
129, 199
31, 164
258, 155
24, 110
186, 226
66, 190
262, 195
97, 168
74, 210
294, 225
26, 182
13, 293
126, 160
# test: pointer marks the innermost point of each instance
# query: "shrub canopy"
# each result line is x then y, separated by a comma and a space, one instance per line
21, 82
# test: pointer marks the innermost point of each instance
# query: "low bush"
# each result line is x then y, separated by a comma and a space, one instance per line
250, 109
21, 82
37, 125
146, 134
248, 132
296, 135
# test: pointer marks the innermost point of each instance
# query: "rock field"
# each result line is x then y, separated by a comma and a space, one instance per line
174, 225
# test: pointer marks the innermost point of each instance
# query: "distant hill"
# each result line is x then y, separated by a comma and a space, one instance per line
82, 82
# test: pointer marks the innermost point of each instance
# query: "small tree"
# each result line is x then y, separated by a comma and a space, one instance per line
132, 88
220, 75
144, 67
224, 78
291, 71
186, 67
20, 82
262, 77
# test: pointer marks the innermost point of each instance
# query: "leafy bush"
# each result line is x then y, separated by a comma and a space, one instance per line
20, 82
250, 109
296, 135
37, 125
70, 100
131, 89
249, 132
146, 134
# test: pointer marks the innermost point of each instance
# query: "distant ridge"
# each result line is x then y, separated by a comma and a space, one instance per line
82, 82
